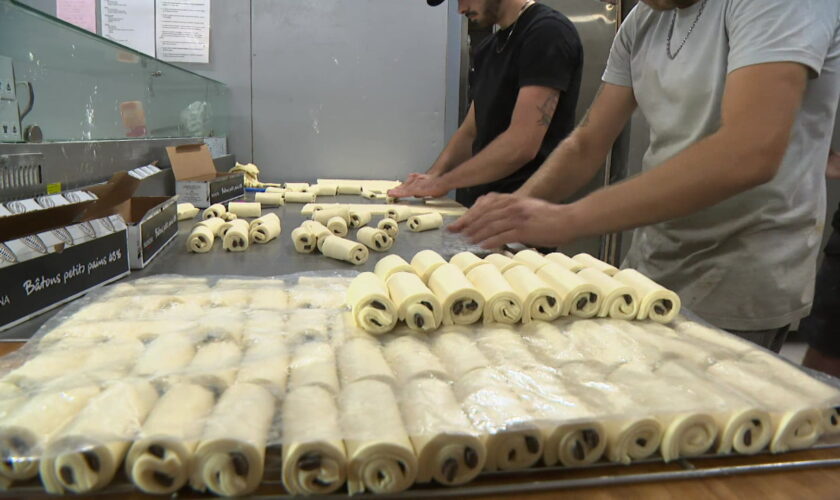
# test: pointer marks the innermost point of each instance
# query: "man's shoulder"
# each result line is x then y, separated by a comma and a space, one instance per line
549, 20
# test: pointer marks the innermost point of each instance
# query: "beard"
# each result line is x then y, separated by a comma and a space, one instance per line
489, 14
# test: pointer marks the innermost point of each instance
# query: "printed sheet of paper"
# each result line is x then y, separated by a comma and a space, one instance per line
183, 30
130, 22
82, 13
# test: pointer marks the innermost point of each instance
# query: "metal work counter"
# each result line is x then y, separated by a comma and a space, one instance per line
809, 473
274, 258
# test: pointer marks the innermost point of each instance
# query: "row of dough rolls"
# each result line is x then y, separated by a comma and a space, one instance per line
624, 294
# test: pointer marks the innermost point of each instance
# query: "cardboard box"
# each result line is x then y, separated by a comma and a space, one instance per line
196, 178
152, 223
53, 255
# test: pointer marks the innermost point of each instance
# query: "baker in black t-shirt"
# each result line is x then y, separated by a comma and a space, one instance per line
525, 83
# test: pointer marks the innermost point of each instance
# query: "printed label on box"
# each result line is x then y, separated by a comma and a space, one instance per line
42, 283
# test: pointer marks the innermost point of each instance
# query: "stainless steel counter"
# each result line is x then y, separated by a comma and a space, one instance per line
275, 258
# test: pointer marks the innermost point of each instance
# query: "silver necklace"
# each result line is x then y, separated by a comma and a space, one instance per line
671, 32
510, 33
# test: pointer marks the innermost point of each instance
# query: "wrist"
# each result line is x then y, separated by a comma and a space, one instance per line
577, 218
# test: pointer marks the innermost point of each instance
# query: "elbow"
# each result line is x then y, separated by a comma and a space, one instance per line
524, 151
761, 163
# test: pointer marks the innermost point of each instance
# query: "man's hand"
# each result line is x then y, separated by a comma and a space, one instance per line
832, 171
497, 219
420, 186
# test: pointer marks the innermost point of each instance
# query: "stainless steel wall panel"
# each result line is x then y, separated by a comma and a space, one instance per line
352, 89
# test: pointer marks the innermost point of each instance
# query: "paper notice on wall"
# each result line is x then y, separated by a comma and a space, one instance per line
82, 13
130, 23
183, 30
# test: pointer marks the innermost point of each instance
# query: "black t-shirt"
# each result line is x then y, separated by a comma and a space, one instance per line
545, 50
835, 223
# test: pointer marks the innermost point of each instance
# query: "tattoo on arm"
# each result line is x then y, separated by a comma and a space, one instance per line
547, 109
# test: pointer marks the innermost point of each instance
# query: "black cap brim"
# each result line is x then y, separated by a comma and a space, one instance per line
434, 2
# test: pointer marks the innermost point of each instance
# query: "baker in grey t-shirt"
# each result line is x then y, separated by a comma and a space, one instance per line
740, 96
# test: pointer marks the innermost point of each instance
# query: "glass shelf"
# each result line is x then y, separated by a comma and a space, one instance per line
89, 88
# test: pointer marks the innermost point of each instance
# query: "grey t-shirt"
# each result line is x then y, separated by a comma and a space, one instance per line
747, 263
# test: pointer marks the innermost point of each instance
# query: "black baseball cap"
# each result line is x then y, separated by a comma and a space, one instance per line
434, 2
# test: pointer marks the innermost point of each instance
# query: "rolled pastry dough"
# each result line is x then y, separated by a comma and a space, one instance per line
186, 211
375, 239
346, 250
656, 302
502, 304
304, 240
513, 442
565, 261
264, 229
319, 230
371, 305
215, 224
531, 259
571, 430
324, 215
272, 189
236, 237
230, 457
313, 364
539, 300
466, 261
411, 358
390, 226
425, 262
502, 262
591, 262
457, 352
359, 218
361, 359
298, 197
425, 222
165, 356
270, 297
244, 209
298, 187
337, 226
349, 189
447, 446
227, 216
381, 457
161, 458
26, 430
505, 349
214, 365
416, 304
797, 423
399, 212
200, 240
85, 455
370, 195
390, 264
461, 302
618, 300
744, 427
266, 363
314, 458
579, 297
215, 210
269, 199
324, 189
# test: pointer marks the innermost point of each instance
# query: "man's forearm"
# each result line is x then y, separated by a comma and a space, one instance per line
455, 153
697, 178
502, 157
568, 169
